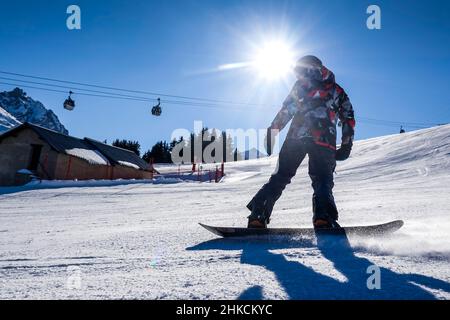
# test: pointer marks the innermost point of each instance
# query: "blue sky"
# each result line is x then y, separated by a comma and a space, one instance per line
398, 73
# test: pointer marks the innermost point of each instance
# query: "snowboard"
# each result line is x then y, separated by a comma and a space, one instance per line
366, 231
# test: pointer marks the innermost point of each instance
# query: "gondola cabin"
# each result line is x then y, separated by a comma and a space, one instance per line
69, 103
156, 110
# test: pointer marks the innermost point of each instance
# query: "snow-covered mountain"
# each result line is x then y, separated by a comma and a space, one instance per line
7, 121
143, 241
16, 107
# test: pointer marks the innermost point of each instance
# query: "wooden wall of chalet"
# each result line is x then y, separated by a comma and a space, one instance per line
15, 154
70, 168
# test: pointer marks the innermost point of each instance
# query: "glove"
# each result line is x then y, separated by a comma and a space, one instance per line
269, 140
343, 152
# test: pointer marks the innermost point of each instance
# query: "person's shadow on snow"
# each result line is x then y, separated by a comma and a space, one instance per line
302, 282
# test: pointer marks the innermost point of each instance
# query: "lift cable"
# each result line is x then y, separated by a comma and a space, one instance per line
131, 91
185, 103
112, 95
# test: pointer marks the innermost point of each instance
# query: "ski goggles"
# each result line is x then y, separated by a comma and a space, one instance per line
308, 71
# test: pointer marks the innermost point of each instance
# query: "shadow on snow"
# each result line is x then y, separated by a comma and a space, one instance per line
302, 282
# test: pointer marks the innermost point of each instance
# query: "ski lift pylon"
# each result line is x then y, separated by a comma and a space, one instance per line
156, 110
69, 103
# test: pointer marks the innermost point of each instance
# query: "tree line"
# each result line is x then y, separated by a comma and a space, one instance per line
161, 152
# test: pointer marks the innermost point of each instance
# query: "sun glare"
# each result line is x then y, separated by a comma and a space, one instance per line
274, 60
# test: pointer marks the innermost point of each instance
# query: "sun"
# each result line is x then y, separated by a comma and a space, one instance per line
273, 60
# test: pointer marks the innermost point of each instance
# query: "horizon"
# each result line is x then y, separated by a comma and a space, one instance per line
249, 149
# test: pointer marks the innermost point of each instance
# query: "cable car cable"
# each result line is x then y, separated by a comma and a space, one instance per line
128, 90
194, 104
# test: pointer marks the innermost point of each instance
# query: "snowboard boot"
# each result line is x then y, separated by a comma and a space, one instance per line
257, 219
260, 216
325, 222
256, 223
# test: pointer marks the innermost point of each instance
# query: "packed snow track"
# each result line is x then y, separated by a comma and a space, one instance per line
143, 241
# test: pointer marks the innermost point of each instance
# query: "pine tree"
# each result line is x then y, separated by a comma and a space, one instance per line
160, 153
147, 157
228, 148
129, 145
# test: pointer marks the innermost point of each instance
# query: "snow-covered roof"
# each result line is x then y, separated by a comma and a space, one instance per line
118, 155
128, 164
58, 141
91, 156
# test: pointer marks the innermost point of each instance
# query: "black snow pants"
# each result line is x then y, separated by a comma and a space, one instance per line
321, 167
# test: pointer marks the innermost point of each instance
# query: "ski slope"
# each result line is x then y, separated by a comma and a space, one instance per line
142, 240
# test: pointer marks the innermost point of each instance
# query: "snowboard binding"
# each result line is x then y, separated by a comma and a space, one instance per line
325, 222
257, 222
260, 216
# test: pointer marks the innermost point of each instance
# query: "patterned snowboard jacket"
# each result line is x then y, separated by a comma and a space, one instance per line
314, 105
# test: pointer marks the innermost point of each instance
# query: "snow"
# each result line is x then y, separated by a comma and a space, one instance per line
129, 164
24, 109
141, 240
24, 171
91, 156
56, 184
7, 121
253, 153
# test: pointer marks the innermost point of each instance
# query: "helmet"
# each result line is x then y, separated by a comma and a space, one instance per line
309, 61
308, 67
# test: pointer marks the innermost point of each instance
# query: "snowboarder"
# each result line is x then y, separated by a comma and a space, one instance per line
314, 104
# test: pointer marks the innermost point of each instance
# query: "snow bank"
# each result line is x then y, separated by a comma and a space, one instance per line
162, 180
56, 184
24, 171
